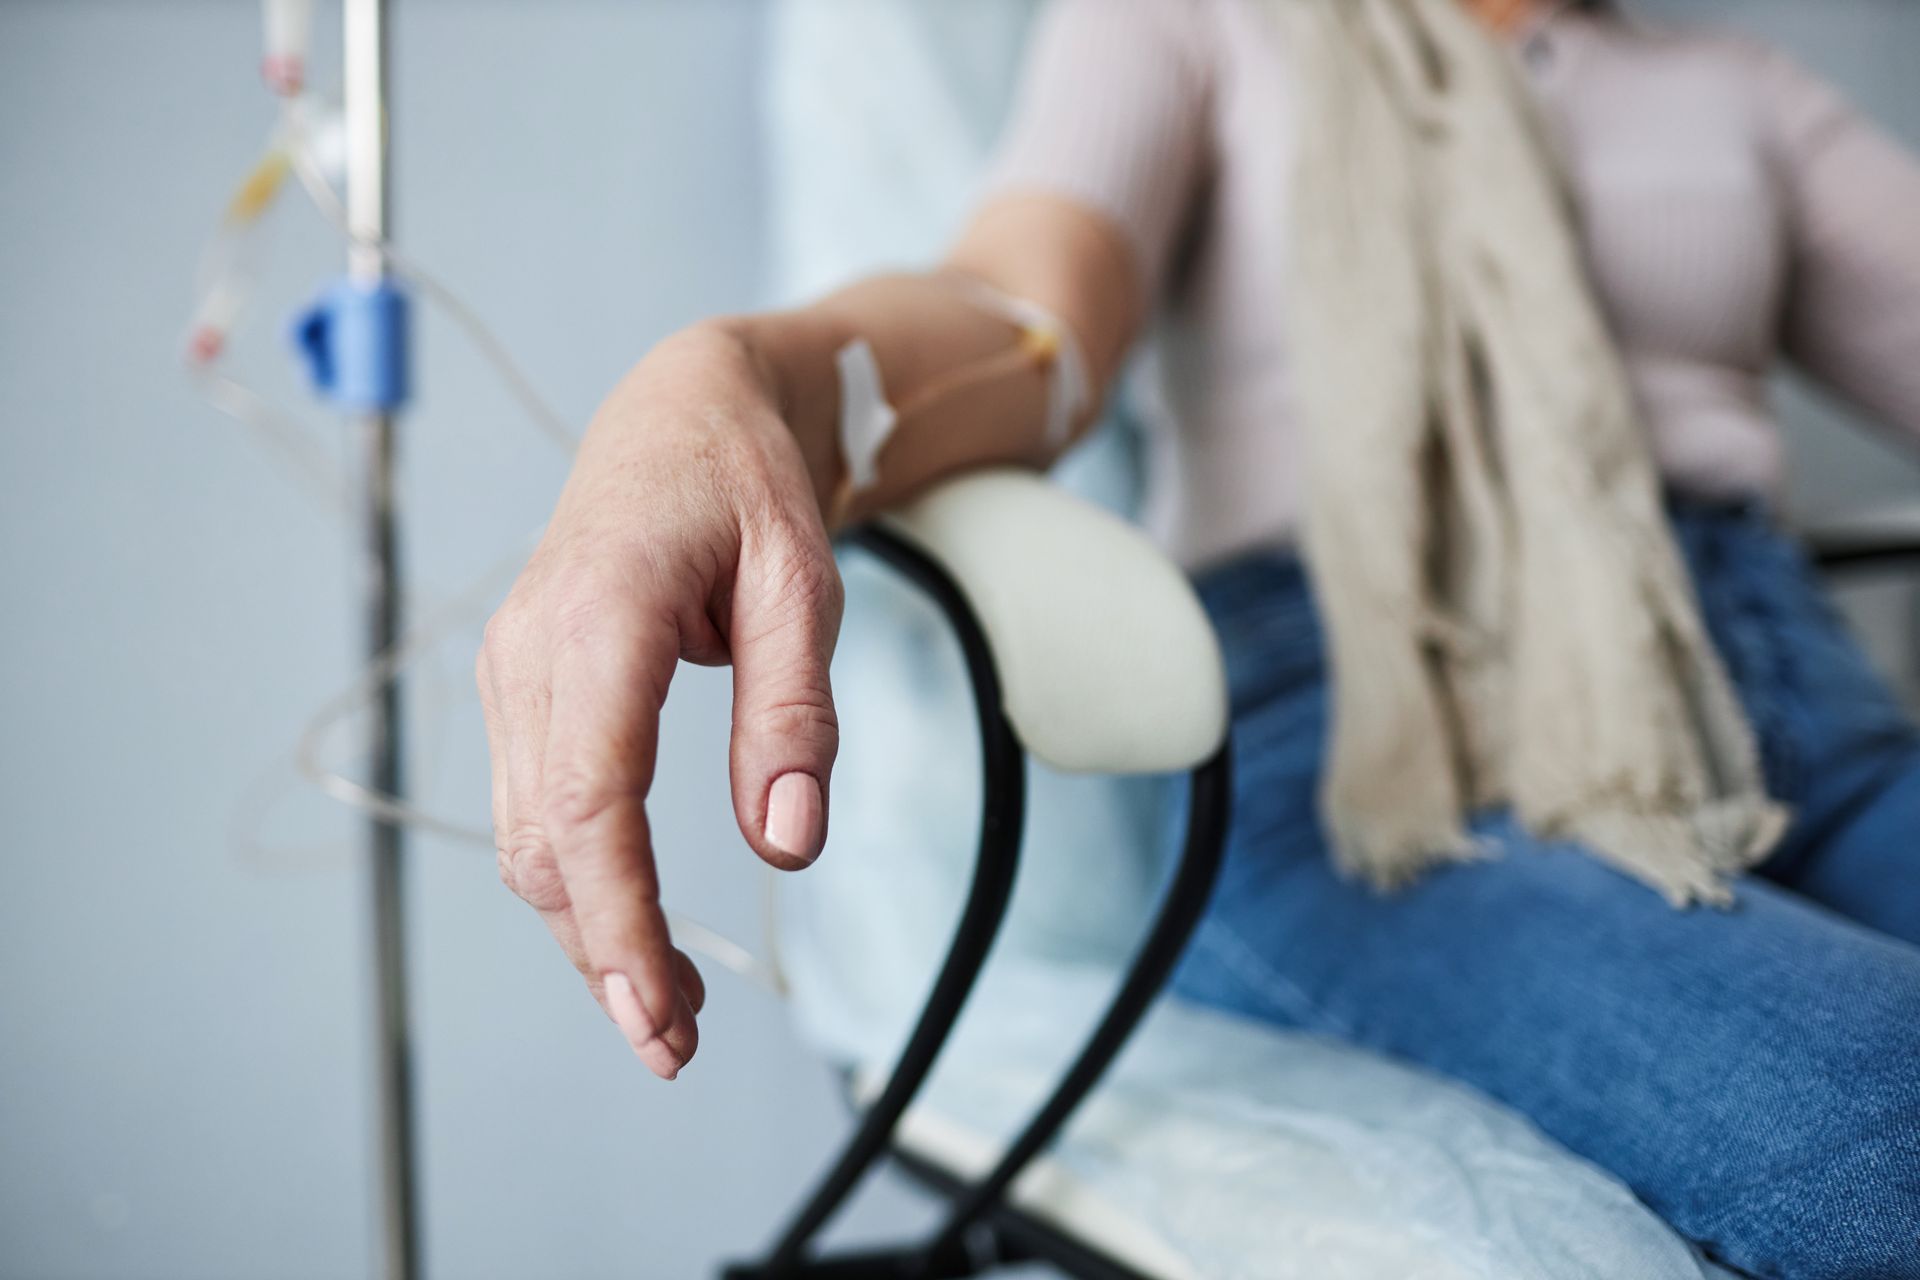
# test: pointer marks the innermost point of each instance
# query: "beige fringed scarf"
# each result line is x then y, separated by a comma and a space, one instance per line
1508, 618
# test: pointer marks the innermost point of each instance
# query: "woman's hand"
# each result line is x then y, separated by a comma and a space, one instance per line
690, 529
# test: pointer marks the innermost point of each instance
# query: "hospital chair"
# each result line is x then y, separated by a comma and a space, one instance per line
1067, 1118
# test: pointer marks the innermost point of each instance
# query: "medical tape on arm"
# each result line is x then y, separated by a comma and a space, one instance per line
868, 419
1052, 344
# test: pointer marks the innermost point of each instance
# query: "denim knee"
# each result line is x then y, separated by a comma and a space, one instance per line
1837, 1197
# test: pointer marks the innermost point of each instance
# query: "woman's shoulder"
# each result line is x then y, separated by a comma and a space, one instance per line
1174, 40
1710, 49
1184, 26
1715, 64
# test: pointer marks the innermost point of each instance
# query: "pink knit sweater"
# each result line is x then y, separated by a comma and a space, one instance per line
1735, 209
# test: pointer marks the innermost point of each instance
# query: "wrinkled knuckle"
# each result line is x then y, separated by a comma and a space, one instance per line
494, 637
810, 719
540, 884
828, 593
528, 867
814, 577
577, 796
502, 642
580, 613
808, 584
574, 615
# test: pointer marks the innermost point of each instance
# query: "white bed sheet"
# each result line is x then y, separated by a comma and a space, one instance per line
1225, 1150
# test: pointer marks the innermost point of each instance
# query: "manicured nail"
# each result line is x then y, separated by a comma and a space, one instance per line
794, 816
623, 1002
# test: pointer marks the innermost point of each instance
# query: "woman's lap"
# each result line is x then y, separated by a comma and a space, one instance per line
1754, 1073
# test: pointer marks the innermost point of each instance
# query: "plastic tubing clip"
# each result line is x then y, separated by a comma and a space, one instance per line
353, 340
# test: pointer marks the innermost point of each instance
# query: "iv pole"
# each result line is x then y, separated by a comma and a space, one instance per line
368, 207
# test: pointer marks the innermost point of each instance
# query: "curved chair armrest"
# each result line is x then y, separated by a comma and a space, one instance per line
1885, 536
1107, 662
1089, 649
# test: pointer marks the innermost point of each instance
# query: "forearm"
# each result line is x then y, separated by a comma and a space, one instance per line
966, 392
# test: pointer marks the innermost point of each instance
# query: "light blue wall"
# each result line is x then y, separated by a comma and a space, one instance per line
181, 1029
181, 1032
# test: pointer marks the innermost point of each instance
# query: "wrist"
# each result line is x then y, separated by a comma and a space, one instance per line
732, 343
788, 358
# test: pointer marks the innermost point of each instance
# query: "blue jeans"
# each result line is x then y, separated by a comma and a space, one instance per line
1753, 1074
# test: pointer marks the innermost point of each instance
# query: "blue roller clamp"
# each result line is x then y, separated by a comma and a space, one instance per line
353, 340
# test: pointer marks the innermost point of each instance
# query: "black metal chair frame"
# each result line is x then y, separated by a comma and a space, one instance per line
982, 1231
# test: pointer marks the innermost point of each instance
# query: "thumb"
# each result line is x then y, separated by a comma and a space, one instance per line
784, 622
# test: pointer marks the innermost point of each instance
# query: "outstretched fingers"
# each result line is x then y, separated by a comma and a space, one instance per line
609, 678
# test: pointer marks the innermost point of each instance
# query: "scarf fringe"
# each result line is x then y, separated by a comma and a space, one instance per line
1690, 859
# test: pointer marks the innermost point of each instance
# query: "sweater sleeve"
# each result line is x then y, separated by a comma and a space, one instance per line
1853, 196
1113, 113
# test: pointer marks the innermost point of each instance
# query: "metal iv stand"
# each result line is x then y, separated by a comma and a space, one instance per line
368, 206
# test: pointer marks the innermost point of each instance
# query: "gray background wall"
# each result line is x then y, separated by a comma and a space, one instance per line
181, 1033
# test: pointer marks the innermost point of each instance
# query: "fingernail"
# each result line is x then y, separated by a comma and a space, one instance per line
623, 1002
793, 816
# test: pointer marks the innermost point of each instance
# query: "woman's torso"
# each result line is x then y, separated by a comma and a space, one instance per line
1668, 142
1666, 152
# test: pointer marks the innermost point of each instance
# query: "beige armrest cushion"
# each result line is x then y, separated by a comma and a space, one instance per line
1107, 662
